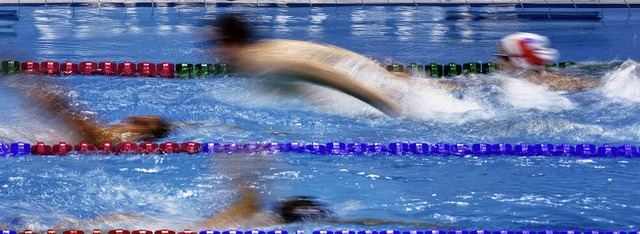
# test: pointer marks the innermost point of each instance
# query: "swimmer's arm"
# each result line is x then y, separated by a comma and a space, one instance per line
377, 222
246, 207
43, 93
325, 75
57, 105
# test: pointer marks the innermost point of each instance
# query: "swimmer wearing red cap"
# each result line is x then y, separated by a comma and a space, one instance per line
526, 56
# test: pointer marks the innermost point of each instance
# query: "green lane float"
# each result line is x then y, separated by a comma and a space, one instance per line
488, 68
184, 70
471, 68
395, 67
10, 67
203, 69
450, 70
415, 69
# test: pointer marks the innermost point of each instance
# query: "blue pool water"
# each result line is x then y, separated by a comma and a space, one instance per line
173, 191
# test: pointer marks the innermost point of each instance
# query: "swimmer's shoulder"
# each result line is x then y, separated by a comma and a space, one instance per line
290, 42
561, 82
295, 47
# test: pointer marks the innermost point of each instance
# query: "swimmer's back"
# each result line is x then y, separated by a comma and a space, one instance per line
320, 64
317, 52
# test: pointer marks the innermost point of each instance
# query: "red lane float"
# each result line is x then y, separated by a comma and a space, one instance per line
190, 147
28, 232
169, 147
148, 148
49, 67
127, 69
107, 148
146, 69
73, 232
142, 232
30, 67
41, 149
61, 149
127, 148
164, 231
108, 68
84, 148
68, 68
88, 68
166, 70
119, 231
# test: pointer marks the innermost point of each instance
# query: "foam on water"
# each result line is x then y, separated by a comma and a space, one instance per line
522, 94
622, 83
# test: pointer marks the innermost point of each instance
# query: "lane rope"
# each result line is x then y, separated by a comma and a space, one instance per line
187, 231
188, 70
331, 148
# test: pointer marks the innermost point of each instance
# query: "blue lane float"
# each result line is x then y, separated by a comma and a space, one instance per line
17, 149
4, 149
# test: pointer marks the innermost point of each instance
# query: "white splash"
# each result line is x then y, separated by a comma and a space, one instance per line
622, 84
522, 94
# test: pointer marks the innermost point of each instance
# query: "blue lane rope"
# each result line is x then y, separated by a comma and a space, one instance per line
165, 231
330, 148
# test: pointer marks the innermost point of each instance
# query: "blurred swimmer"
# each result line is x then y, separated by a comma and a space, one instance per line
49, 98
298, 60
247, 213
526, 55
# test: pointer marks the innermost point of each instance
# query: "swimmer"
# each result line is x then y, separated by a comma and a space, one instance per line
298, 60
525, 55
134, 129
247, 213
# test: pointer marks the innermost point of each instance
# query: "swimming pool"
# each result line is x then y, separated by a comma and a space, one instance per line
490, 193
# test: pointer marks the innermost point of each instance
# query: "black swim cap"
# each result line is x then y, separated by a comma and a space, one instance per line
302, 209
233, 29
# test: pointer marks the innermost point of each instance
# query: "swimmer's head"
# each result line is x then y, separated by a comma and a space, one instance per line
302, 209
233, 30
526, 51
141, 128
232, 34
